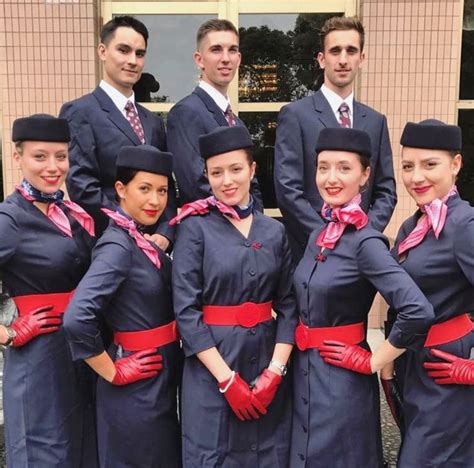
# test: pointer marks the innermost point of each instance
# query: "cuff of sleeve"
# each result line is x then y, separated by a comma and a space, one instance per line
86, 349
414, 342
286, 333
166, 231
200, 341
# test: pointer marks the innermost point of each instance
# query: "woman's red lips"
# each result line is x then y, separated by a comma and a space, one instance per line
422, 189
151, 212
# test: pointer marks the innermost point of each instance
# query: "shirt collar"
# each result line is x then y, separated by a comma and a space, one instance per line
117, 97
335, 100
221, 100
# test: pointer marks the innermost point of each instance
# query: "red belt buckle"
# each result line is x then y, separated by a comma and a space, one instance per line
248, 315
301, 337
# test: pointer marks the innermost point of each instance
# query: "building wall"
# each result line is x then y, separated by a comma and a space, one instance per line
48, 57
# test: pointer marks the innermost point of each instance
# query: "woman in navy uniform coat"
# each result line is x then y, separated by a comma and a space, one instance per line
45, 245
129, 284
336, 419
435, 246
231, 268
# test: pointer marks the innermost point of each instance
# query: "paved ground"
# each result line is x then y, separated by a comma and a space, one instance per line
391, 436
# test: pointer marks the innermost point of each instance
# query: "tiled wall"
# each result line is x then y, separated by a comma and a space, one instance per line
48, 57
411, 73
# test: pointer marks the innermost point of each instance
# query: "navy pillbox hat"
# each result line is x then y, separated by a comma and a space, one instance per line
432, 134
41, 127
224, 139
146, 158
344, 139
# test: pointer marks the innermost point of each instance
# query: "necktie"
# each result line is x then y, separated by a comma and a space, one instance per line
339, 219
134, 120
141, 242
200, 207
344, 118
229, 116
434, 217
56, 214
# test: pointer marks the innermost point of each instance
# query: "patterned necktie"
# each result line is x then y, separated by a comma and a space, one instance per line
134, 120
344, 118
200, 207
229, 116
434, 217
339, 219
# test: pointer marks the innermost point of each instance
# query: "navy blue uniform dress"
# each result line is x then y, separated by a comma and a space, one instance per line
137, 424
336, 419
47, 398
439, 419
215, 264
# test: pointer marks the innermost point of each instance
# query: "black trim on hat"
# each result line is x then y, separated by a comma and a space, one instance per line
344, 139
146, 158
432, 134
41, 127
224, 139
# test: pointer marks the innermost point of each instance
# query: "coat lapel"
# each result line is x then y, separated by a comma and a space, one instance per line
211, 106
114, 115
360, 116
147, 124
324, 111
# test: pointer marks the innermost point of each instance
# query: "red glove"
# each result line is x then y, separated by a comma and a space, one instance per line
243, 402
453, 369
137, 366
266, 386
347, 356
39, 322
394, 399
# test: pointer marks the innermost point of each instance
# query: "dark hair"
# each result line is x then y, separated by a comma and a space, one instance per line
342, 23
108, 30
124, 175
214, 25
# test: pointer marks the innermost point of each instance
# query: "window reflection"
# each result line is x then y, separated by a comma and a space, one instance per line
262, 127
279, 56
170, 72
465, 182
466, 88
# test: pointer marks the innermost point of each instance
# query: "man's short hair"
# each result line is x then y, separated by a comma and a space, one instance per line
214, 25
342, 23
125, 21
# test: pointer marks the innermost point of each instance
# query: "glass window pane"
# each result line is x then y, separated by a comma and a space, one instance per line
262, 127
465, 182
169, 60
279, 56
466, 88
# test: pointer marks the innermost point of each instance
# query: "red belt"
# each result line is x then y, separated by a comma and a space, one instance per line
450, 330
307, 337
144, 339
27, 304
246, 315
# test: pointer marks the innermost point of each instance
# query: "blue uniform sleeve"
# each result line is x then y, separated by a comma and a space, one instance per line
289, 177
415, 314
187, 288
9, 235
284, 303
109, 268
464, 247
83, 181
384, 194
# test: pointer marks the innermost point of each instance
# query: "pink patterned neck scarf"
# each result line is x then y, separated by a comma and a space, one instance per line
57, 216
200, 207
340, 218
141, 242
433, 217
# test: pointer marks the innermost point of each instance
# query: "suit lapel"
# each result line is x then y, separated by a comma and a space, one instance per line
211, 106
360, 117
114, 115
324, 111
147, 124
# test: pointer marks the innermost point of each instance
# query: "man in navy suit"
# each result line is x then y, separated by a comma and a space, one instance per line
299, 124
107, 119
205, 109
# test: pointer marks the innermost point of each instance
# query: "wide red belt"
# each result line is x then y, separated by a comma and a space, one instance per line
144, 339
314, 337
246, 315
450, 330
29, 303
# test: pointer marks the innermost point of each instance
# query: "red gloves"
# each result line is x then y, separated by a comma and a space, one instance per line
243, 402
394, 399
266, 386
453, 369
137, 366
39, 322
347, 356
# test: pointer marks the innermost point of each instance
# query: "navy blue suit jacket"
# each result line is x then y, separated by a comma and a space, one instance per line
195, 115
98, 131
299, 124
